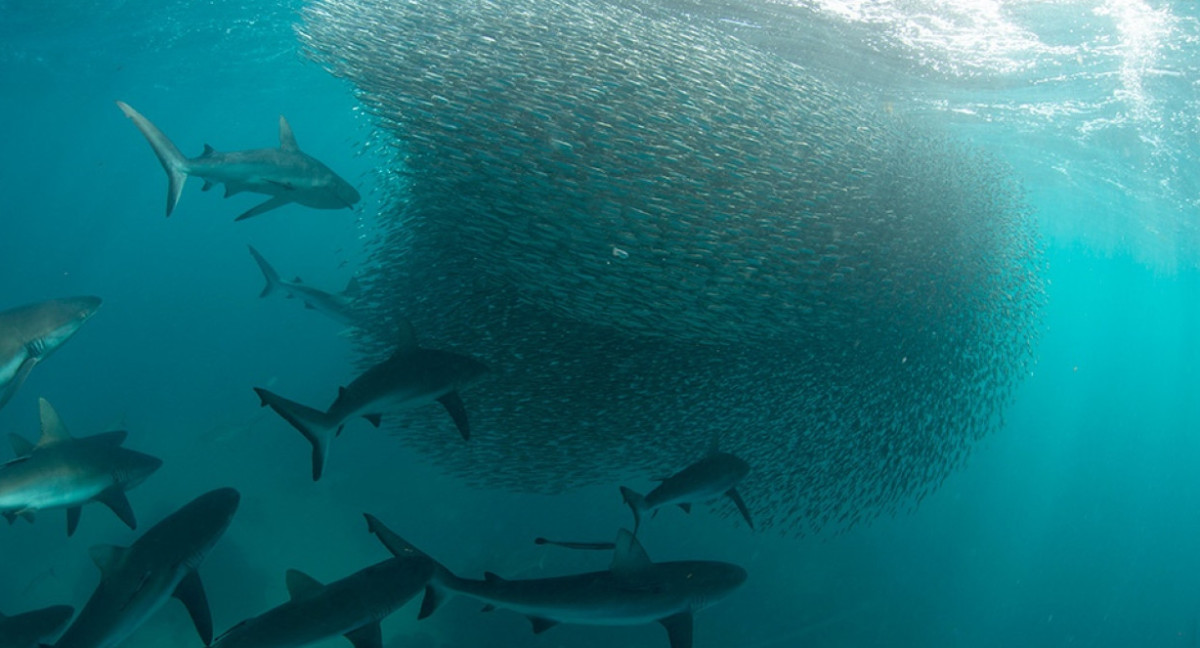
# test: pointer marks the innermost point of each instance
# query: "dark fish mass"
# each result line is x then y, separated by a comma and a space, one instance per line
659, 235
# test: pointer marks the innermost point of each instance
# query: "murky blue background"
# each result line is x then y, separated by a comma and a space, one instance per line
1076, 524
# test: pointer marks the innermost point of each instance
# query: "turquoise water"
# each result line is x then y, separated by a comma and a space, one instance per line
1072, 524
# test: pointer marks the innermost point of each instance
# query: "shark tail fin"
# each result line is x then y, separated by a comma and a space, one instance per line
436, 590
173, 162
316, 426
269, 273
636, 503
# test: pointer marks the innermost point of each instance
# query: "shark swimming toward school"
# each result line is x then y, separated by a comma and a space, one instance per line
136, 581
338, 306
713, 476
286, 174
351, 607
411, 377
633, 591
63, 471
26, 630
29, 334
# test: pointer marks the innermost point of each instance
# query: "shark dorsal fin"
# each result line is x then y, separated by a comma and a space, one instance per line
353, 289
629, 558
287, 141
106, 556
301, 585
297, 280
208, 150
53, 430
20, 445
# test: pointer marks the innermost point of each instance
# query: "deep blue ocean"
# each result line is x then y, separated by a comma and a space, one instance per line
1075, 523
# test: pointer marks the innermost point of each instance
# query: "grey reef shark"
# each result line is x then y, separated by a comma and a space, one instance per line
29, 334
136, 581
27, 630
633, 591
410, 377
62, 471
351, 607
286, 174
713, 476
338, 306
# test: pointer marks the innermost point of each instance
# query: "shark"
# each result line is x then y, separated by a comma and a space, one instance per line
286, 174
62, 471
339, 306
29, 334
410, 377
713, 476
351, 607
136, 581
28, 629
632, 591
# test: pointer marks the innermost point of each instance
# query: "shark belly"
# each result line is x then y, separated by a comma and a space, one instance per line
119, 607
12, 363
33, 487
566, 601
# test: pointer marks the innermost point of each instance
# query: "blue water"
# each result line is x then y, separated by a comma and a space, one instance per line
1074, 525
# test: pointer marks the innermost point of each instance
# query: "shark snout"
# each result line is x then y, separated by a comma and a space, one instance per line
141, 468
348, 194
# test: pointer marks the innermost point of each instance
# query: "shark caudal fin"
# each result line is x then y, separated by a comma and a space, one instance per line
172, 160
269, 273
436, 590
636, 503
316, 426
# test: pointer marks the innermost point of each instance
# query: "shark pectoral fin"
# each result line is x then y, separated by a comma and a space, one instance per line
685, 507
277, 201
73, 519
18, 379
29, 515
679, 629
106, 557
488, 608
454, 405
374, 419
492, 577
541, 625
301, 585
368, 636
190, 592
433, 598
114, 498
309, 306
10, 516
20, 445
741, 505
629, 558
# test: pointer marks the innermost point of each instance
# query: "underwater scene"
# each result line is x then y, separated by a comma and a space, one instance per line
591, 323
